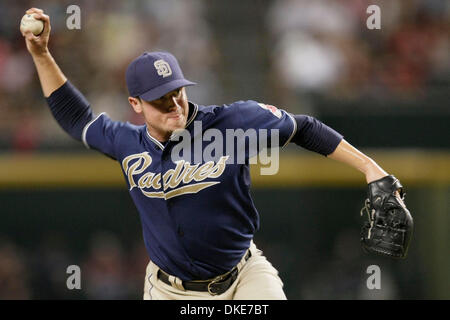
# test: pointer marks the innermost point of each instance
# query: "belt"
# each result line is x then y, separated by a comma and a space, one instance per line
215, 286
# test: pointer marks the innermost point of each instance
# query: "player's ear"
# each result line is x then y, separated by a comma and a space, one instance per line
136, 104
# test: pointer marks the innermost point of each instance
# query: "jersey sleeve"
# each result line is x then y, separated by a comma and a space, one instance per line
269, 119
102, 133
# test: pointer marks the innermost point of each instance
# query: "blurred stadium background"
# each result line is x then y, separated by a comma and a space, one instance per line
386, 90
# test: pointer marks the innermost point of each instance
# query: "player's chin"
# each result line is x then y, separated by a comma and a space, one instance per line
176, 123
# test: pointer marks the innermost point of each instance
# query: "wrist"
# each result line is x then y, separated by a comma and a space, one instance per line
42, 56
373, 171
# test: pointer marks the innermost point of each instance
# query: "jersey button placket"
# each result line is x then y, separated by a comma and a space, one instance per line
165, 156
165, 165
165, 161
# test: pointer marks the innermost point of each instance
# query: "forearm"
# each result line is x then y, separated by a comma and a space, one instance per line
351, 156
315, 136
67, 105
50, 75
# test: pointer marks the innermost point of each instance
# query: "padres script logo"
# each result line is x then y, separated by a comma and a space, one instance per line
149, 183
163, 68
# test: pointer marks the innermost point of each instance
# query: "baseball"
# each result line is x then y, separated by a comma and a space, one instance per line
28, 22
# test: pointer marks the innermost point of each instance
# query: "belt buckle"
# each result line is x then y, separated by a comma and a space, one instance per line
213, 281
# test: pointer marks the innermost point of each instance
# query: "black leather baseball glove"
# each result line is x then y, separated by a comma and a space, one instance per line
389, 229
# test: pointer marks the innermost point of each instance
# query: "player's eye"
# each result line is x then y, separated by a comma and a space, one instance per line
175, 93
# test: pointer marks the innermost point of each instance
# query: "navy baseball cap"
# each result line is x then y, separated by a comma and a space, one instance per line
154, 74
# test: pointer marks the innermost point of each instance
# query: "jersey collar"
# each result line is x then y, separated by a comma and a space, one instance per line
193, 109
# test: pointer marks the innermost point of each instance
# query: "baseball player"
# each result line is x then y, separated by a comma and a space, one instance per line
198, 217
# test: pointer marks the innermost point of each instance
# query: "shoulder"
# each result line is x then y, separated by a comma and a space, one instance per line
109, 136
129, 130
129, 138
104, 128
226, 109
104, 121
255, 114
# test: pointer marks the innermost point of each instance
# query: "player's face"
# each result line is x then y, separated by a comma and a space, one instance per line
166, 114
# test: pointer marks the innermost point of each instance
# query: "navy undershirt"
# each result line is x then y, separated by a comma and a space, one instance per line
315, 136
70, 109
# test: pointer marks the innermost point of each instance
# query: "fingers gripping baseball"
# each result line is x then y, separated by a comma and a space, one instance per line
36, 40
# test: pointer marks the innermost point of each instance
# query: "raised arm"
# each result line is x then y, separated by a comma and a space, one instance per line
68, 106
50, 75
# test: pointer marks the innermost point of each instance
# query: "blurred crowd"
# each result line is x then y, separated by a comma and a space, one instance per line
108, 269
95, 58
324, 47
320, 47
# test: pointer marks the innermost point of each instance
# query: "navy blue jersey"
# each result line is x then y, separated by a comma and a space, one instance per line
197, 215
